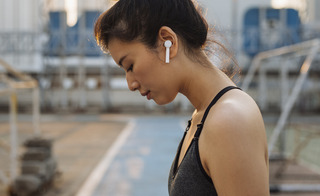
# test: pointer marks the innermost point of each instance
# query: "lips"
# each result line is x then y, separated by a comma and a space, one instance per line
147, 93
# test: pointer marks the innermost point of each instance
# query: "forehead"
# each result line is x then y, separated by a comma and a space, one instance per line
118, 48
131, 50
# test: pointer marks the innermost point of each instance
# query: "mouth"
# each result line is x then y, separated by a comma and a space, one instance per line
147, 93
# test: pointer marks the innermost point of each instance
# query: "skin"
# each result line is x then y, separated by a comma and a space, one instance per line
232, 145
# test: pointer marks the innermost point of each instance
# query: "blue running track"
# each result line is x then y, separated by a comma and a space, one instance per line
142, 164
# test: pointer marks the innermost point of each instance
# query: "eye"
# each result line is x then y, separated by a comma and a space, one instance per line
130, 68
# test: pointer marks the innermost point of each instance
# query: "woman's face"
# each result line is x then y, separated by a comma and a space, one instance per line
145, 70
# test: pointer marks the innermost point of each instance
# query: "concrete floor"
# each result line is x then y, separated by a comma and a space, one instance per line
107, 155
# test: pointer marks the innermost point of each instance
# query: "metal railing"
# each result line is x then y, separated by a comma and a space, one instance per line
314, 49
10, 87
309, 49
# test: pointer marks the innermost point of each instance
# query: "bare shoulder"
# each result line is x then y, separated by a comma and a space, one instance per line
236, 117
235, 112
233, 146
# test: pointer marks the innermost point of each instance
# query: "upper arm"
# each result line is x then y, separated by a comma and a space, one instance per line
234, 151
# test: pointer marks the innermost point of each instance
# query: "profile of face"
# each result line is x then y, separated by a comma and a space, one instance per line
146, 70
134, 33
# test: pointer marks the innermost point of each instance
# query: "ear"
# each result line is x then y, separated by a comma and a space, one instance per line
166, 33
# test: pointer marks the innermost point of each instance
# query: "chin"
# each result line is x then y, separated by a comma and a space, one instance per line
164, 101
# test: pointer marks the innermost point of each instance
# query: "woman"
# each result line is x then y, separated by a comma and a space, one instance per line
161, 46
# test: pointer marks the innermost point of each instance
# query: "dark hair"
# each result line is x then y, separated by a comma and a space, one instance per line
141, 20
129, 20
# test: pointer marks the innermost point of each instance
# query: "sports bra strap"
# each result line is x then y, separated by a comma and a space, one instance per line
215, 99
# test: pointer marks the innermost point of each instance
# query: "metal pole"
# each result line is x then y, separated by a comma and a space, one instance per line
284, 83
13, 135
82, 98
16, 39
62, 68
293, 96
252, 69
105, 84
36, 111
256, 62
262, 87
234, 23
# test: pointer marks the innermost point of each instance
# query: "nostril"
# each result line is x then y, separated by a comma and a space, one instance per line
133, 86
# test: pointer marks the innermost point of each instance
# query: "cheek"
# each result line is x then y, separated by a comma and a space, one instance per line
148, 73
167, 91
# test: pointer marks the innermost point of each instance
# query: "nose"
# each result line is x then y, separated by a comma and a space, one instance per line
132, 83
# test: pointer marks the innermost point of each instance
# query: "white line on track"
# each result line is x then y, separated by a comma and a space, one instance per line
97, 174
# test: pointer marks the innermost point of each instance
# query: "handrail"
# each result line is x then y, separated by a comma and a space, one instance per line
25, 82
310, 48
294, 94
256, 62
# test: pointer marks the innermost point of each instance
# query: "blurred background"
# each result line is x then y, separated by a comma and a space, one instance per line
58, 89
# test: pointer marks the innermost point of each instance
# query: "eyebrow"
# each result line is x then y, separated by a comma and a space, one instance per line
121, 59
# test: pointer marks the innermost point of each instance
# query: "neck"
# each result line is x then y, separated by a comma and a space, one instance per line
202, 84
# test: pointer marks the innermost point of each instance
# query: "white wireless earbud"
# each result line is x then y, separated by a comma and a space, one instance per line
167, 44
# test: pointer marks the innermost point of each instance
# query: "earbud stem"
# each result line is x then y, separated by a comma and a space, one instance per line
167, 55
